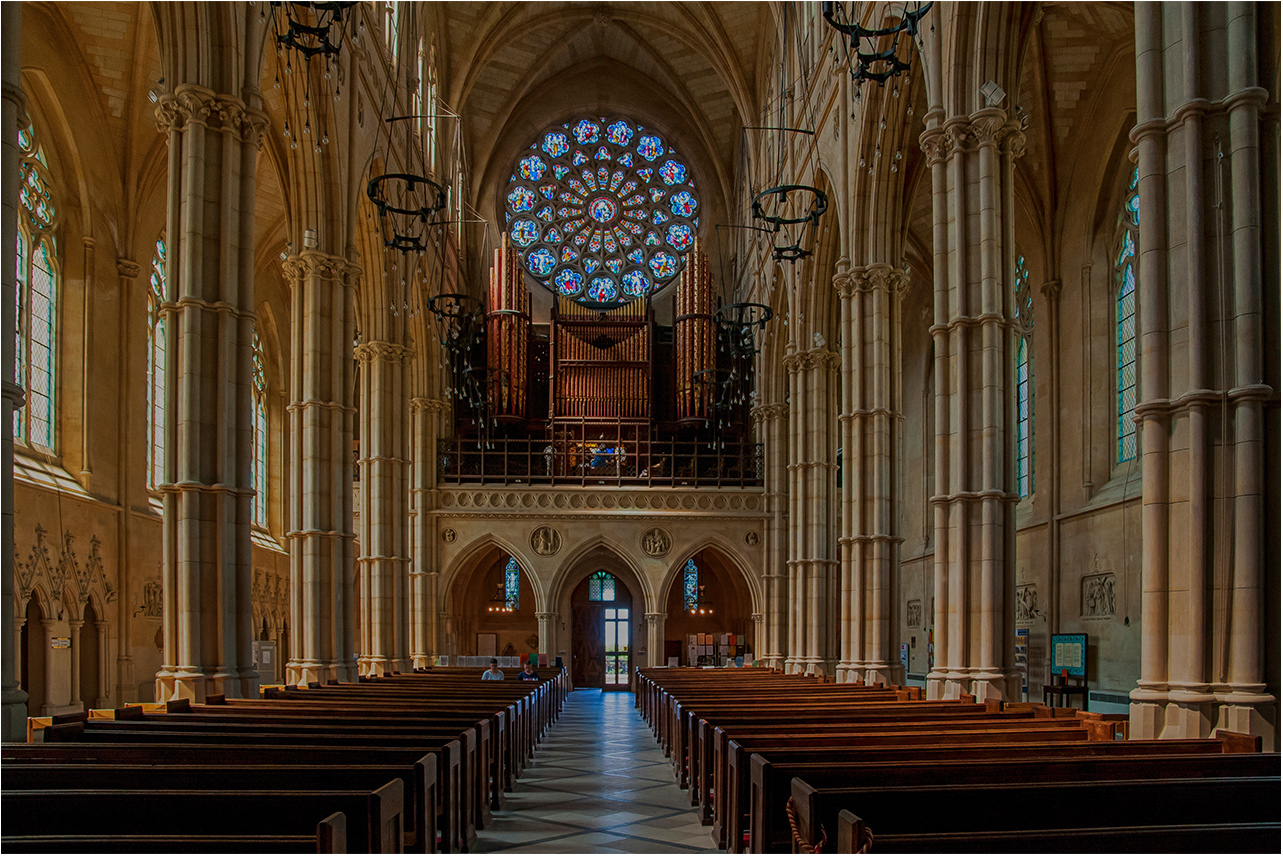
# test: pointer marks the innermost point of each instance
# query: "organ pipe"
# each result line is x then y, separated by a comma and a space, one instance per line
695, 341
507, 335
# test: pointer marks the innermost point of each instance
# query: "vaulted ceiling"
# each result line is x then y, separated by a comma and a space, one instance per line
688, 69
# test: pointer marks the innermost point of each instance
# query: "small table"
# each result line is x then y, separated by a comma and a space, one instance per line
1063, 692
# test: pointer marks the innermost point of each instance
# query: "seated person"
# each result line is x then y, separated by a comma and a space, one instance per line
492, 673
528, 672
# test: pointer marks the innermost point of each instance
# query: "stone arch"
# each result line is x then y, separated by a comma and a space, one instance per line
727, 553
575, 567
466, 596
472, 556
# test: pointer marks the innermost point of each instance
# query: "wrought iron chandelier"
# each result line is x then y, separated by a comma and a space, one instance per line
312, 29
407, 204
457, 319
864, 60
786, 211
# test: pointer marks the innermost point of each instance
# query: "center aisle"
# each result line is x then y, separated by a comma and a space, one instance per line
598, 784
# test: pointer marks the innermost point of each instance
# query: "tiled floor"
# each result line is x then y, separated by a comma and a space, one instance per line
598, 784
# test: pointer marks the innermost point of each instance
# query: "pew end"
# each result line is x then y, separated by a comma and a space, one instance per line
331, 834
1237, 742
852, 833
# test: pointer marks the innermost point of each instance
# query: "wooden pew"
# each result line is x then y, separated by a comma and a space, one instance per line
374, 818
459, 813
964, 810
418, 781
330, 837
816, 808
1168, 838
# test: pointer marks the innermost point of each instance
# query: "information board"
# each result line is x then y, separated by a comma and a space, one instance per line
1069, 654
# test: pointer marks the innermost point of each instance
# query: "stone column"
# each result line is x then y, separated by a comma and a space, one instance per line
812, 567
322, 327
48, 627
759, 623
13, 113
771, 432
425, 416
1202, 392
972, 160
385, 561
209, 325
133, 329
870, 423
100, 627
547, 634
655, 638
75, 625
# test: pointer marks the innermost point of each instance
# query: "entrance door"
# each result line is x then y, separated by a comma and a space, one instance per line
617, 648
601, 638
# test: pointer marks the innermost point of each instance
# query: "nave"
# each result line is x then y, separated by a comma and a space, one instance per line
598, 784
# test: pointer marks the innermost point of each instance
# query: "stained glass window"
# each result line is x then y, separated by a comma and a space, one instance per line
1125, 322
690, 586
156, 368
1024, 382
36, 297
512, 586
258, 472
602, 211
601, 586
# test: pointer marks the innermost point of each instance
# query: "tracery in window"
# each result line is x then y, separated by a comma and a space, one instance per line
512, 586
1126, 364
156, 368
1024, 382
258, 472
601, 586
602, 211
690, 586
36, 297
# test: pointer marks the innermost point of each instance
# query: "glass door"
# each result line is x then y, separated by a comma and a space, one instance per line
617, 641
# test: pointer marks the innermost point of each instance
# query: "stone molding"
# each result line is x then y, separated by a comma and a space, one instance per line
191, 104
535, 500
385, 351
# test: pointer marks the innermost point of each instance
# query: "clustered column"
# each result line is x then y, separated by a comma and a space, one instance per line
12, 114
322, 327
384, 563
1202, 390
771, 433
209, 326
425, 415
972, 160
870, 424
811, 566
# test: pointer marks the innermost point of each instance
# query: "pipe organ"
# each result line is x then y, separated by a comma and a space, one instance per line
694, 338
601, 362
507, 336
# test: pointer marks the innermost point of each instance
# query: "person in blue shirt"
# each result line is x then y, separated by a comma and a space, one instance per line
528, 672
492, 673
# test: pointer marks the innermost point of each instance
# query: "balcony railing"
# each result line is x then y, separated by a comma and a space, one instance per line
625, 463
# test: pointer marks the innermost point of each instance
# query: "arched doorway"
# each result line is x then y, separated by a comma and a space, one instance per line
709, 613
32, 645
601, 632
493, 608
89, 657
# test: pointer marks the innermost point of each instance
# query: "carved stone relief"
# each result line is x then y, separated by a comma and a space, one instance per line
913, 614
656, 542
152, 603
545, 540
1027, 604
1098, 600
751, 539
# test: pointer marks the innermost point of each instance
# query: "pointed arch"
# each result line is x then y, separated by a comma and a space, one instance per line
731, 556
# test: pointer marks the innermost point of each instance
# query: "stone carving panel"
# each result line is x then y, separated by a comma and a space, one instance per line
656, 542
1098, 600
913, 613
545, 541
1027, 604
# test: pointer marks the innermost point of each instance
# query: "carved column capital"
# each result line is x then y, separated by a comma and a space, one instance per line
425, 405
1051, 289
768, 411
881, 277
315, 263
368, 352
935, 144
190, 103
128, 269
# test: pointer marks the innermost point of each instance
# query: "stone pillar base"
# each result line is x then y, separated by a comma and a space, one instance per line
1258, 718
377, 667
947, 686
1188, 719
887, 674
992, 685
422, 661
848, 671
301, 673
772, 661
195, 685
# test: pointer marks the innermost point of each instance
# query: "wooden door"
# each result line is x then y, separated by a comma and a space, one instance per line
588, 645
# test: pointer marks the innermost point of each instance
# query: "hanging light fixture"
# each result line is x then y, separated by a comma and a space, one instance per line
311, 29
864, 60
457, 319
785, 212
407, 204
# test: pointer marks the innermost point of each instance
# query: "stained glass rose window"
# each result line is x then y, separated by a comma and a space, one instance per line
602, 211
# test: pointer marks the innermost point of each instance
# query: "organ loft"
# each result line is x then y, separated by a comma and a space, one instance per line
929, 345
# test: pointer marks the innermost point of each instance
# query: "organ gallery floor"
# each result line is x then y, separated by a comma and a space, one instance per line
598, 784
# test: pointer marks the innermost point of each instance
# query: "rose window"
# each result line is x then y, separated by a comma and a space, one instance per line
602, 211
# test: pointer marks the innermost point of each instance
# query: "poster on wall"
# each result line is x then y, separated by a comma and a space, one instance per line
487, 644
1069, 654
